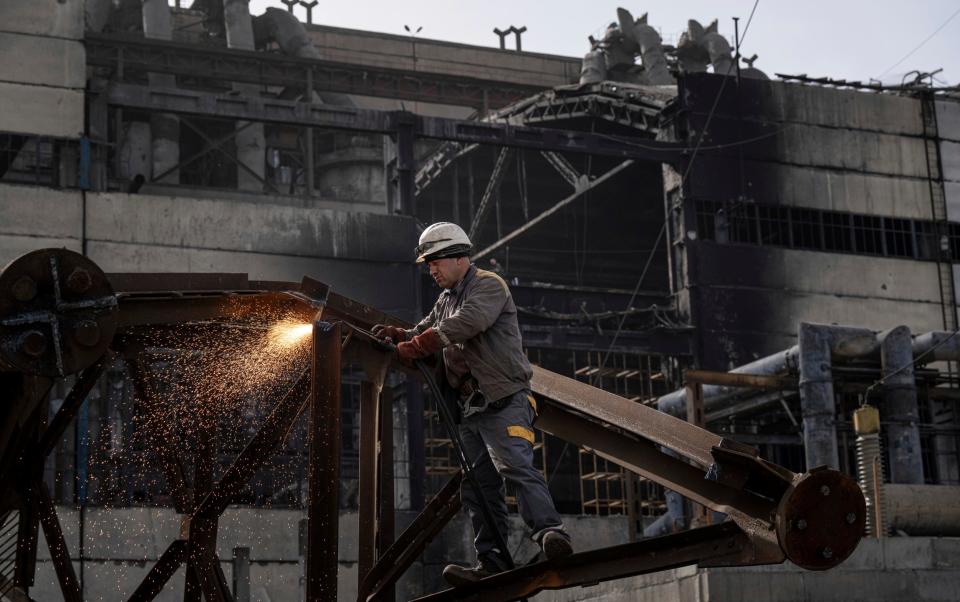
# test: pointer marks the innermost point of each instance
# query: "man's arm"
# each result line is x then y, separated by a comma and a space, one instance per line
429, 320
478, 312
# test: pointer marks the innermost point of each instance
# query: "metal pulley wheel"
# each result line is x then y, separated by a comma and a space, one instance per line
57, 313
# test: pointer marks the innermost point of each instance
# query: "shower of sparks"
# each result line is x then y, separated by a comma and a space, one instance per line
195, 387
213, 381
288, 333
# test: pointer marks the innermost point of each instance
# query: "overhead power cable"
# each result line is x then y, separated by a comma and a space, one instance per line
921, 44
916, 360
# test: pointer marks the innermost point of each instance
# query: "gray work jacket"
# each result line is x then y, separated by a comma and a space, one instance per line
478, 317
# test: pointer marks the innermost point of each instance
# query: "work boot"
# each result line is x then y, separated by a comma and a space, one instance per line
487, 565
556, 545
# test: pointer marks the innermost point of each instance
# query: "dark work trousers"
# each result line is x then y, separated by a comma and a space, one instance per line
499, 444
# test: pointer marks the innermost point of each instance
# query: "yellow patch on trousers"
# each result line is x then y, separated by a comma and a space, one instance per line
522, 432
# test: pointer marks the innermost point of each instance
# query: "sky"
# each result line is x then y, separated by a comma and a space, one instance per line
842, 39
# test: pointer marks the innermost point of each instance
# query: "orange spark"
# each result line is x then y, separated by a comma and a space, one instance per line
288, 333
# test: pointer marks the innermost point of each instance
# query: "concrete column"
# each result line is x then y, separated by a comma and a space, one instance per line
164, 127
817, 402
251, 143
900, 406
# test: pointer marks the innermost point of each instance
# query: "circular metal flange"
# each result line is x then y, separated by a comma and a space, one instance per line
57, 313
821, 519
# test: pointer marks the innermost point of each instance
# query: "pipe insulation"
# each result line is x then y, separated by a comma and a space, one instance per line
675, 403
900, 411
936, 346
923, 509
849, 343
164, 127
282, 27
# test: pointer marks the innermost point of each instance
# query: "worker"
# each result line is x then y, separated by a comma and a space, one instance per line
474, 326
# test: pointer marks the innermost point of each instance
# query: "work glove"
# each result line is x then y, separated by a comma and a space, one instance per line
423, 345
391, 333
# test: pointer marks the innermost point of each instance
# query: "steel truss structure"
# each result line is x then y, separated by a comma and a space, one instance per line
61, 315
628, 105
126, 55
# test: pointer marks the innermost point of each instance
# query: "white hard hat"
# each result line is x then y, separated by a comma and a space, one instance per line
443, 239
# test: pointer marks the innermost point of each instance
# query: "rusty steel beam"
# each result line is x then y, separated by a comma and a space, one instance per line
723, 544
695, 404
69, 408
656, 427
175, 308
324, 464
369, 469
699, 514
648, 460
396, 559
59, 555
171, 559
763, 382
257, 451
26, 553
203, 530
209, 575
385, 487
773, 505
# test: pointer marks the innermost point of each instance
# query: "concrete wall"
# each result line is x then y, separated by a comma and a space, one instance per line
948, 126
41, 90
363, 255
820, 148
816, 187
757, 296
891, 569
121, 545
402, 52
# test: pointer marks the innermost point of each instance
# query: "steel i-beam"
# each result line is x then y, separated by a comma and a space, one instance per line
324, 465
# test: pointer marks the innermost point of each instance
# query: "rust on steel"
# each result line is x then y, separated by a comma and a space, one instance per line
396, 559
814, 518
323, 441
720, 474
723, 543
59, 555
368, 495
764, 382
386, 519
682, 437
60, 317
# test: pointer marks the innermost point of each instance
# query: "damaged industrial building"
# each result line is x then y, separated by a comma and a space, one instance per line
737, 289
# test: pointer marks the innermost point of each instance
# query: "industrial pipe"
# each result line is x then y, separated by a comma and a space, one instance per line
675, 403
936, 346
923, 509
900, 410
819, 343
282, 27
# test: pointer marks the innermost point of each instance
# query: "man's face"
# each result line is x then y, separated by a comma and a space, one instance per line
447, 272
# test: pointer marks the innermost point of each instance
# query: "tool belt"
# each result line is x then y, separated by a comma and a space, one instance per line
472, 401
